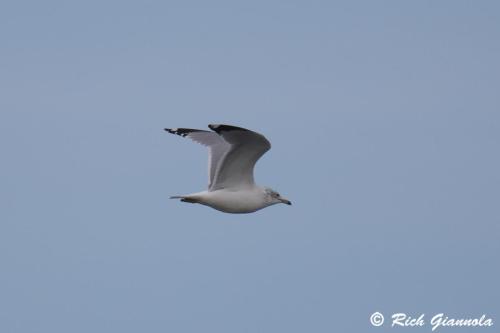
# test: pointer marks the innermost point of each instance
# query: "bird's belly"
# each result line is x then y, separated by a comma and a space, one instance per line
234, 201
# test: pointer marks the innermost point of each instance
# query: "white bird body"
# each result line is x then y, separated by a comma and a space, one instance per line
233, 152
246, 200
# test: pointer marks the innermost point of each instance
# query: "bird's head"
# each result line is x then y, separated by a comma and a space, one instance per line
274, 197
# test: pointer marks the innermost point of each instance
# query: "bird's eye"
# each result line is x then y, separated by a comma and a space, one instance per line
278, 195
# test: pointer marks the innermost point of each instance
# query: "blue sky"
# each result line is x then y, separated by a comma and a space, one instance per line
385, 125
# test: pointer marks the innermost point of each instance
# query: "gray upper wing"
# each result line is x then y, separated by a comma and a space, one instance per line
235, 167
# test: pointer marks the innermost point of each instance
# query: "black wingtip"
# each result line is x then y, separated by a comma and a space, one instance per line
214, 127
182, 131
172, 131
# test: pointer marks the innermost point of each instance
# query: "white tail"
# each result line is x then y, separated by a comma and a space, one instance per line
185, 198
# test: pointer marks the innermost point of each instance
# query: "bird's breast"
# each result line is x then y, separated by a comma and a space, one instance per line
234, 201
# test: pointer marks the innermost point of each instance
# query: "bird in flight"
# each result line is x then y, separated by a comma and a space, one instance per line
232, 154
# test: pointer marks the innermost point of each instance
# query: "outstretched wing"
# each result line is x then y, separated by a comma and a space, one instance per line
217, 146
235, 167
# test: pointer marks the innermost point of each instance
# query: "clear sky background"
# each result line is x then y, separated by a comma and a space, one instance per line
385, 123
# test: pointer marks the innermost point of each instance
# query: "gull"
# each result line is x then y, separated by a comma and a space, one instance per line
232, 154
